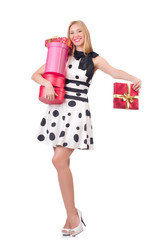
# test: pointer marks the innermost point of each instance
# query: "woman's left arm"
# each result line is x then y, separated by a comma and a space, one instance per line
103, 65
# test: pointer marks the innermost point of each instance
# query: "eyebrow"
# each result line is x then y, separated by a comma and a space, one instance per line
73, 30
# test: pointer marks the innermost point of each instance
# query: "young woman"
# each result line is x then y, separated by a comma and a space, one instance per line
68, 126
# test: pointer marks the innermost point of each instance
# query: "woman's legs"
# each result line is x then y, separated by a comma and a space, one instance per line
61, 162
68, 159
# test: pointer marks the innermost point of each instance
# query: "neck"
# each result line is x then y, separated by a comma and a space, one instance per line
80, 48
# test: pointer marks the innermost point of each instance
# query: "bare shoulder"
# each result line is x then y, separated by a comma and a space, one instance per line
96, 62
103, 65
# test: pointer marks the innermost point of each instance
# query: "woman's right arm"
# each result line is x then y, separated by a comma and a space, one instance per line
37, 77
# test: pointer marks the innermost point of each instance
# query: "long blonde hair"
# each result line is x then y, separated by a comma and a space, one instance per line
87, 42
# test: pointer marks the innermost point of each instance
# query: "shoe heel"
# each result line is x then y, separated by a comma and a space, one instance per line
83, 221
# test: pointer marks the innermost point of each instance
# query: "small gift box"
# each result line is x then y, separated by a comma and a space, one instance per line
59, 39
125, 96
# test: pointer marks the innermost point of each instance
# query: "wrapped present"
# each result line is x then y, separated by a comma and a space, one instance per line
55, 68
59, 39
125, 96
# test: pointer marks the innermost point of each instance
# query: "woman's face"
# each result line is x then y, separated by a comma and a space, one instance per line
77, 36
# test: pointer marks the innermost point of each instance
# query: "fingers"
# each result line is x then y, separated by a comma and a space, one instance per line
137, 85
51, 97
137, 89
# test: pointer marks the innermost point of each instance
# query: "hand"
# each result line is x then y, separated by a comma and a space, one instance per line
137, 84
49, 91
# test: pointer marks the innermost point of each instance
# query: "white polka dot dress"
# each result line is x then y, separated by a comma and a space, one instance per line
69, 124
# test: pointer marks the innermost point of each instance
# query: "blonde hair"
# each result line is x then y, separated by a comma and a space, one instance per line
87, 42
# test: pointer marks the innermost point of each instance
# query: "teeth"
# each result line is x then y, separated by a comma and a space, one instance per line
76, 40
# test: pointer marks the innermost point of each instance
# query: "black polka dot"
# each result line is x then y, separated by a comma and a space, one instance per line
77, 84
49, 112
52, 136
65, 144
62, 134
70, 66
80, 115
87, 146
41, 137
76, 137
55, 113
77, 77
67, 125
85, 141
63, 117
72, 103
88, 113
85, 127
91, 140
69, 114
77, 128
43, 122
78, 94
47, 131
53, 124
87, 136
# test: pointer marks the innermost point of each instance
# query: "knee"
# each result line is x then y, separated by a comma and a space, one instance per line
59, 162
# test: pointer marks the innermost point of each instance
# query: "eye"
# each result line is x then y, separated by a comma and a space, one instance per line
79, 31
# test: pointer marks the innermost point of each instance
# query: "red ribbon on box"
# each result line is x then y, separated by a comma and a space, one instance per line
125, 96
59, 39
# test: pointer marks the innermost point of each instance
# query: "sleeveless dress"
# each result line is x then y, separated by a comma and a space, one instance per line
69, 124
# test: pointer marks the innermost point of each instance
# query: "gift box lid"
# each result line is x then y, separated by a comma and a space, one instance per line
64, 40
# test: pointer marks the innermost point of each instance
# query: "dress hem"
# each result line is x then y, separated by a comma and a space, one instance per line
56, 145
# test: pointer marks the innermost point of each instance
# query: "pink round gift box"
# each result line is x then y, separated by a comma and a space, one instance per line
58, 83
56, 57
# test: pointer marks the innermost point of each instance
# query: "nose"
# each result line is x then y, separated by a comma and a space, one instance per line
76, 34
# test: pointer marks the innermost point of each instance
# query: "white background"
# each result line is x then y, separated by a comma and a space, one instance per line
116, 184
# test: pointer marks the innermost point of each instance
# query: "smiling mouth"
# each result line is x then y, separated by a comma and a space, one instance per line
77, 40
